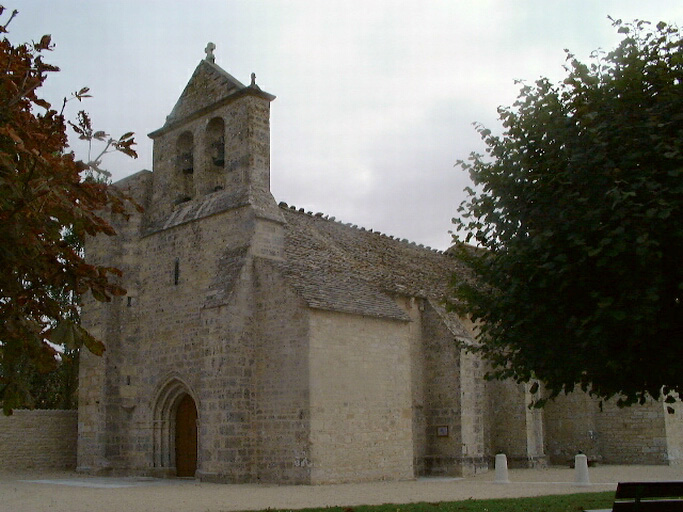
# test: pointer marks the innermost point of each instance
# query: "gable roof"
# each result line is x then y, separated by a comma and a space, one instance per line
340, 267
339, 291
208, 83
209, 87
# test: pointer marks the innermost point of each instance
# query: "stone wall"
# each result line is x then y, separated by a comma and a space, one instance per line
516, 430
674, 433
632, 435
100, 377
640, 434
38, 439
281, 414
361, 403
444, 443
507, 420
570, 425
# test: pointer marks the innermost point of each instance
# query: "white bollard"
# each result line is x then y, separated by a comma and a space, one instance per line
581, 470
501, 469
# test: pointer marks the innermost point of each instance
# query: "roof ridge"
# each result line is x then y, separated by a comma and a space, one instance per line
328, 218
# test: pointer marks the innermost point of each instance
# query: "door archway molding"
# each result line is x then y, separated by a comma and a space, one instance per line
166, 403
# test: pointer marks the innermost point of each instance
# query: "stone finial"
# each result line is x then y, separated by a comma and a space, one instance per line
210, 57
253, 79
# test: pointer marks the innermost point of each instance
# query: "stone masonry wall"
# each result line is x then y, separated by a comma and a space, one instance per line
516, 430
104, 444
508, 419
473, 405
361, 403
184, 319
442, 392
208, 348
674, 433
97, 376
281, 410
570, 425
38, 439
224, 372
419, 385
634, 435
640, 434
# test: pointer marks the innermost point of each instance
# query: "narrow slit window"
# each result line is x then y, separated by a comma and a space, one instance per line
176, 272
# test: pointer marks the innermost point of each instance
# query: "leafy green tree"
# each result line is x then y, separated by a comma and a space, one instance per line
576, 219
45, 193
56, 388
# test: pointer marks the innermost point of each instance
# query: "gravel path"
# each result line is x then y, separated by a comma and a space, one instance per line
70, 492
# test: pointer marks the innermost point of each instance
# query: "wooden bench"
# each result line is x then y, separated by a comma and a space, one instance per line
648, 496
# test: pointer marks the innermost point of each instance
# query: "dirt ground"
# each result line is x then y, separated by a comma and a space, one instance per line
71, 492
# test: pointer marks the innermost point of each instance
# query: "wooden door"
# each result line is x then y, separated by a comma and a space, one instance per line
186, 437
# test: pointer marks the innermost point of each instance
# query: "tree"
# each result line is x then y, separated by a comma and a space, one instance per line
45, 193
577, 221
53, 389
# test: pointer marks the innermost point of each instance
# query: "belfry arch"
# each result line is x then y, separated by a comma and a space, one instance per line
175, 429
215, 142
214, 156
185, 166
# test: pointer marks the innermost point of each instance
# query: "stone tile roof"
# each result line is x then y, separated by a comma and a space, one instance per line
210, 204
223, 283
208, 83
216, 202
209, 86
341, 292
452, 322
345, 268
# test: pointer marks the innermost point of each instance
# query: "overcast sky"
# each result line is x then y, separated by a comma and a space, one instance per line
375, 99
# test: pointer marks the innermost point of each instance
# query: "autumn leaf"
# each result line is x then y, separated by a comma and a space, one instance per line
49, 201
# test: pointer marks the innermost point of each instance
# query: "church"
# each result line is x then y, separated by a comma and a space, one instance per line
259, 342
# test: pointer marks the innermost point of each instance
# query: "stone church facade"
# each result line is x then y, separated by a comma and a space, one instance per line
258, 342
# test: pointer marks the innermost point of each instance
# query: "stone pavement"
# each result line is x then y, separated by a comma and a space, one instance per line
70, 492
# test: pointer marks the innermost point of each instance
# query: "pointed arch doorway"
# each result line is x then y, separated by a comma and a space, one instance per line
186, 437
175, 430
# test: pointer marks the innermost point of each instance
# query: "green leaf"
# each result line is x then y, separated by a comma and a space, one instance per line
64, 334
577, 210
91, 343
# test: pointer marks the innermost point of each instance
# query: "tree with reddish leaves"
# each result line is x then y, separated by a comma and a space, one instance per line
46, 193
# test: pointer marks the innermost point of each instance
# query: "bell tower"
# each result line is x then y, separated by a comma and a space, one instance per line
216, 140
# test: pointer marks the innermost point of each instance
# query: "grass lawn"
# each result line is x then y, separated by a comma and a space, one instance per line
555, 503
